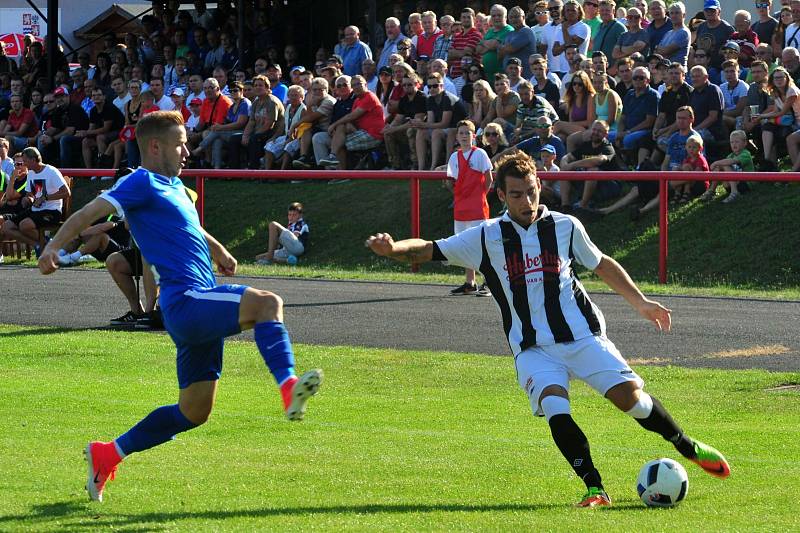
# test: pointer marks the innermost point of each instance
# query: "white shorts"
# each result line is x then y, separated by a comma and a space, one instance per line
593, 360
464, 225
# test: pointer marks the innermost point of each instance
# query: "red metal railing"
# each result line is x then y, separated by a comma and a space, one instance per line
415, 176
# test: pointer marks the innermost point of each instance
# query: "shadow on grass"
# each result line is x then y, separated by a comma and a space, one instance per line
89, 517
369, 301
46, 330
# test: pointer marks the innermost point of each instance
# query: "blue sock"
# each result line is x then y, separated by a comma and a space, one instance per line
273, 342
156, 428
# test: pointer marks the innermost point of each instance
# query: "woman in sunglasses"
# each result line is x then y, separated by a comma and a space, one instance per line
580, 106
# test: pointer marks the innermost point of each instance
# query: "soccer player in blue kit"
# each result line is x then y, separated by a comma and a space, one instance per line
198, 313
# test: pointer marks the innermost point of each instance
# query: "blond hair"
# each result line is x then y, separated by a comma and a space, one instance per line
156, 125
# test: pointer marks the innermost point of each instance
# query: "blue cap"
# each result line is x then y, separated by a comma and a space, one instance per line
548, 148
712, 4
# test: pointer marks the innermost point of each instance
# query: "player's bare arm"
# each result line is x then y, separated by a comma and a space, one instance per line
618, 279
408, 251
226, 263
79, 221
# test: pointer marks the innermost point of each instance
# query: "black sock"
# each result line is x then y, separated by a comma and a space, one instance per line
575, 448
662, 423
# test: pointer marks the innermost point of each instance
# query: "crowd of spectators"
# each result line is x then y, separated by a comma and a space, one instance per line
577, 84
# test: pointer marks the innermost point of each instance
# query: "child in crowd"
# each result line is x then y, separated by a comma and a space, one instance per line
551, 191
695, 161
470, 173
286, 244
739, 160
194, 119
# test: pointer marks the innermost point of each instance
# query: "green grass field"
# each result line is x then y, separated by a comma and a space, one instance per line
394, 441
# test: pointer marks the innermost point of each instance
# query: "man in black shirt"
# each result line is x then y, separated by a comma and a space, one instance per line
65, 120
444, 111
400, 134
676, 95
105, 122
596, 153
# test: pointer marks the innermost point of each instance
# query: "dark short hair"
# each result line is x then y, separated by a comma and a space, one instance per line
296, 206
517, 164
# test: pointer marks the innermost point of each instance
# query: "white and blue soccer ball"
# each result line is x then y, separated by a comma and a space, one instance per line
662, 483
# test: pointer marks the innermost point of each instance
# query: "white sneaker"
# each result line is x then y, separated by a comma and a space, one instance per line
88, 258
305, 387
65, 260
331, 160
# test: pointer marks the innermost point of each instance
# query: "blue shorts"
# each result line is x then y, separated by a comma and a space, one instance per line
198, 322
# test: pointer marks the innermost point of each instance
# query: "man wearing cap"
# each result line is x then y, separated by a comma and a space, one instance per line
65, 119
636, 39
609, 30
105, 122
675, 43
296, 72
278, 88
520, 43
352, 51
543, 128
514, 72
731, 51
493, 40
179, 101
713, 33
194, 119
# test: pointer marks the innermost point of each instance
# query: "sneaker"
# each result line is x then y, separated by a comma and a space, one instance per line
710, 460
732, 197
594, 497
483, 290
331, 160
103, 459
128, 319
263, 261
151, 320
464, 290
301, 390
291, 260
708, 195
65, 260
106, 178
303, 163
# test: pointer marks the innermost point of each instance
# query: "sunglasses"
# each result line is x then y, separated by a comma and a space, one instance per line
492, 134
20, 164
558, 8
540, 13
639, 78
432, 85
763, 5
401, 48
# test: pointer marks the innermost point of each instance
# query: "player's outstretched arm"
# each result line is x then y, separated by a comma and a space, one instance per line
79, 221
226, 263
618, 279
409, 250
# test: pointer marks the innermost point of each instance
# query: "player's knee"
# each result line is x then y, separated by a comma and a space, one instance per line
625, 395
197, 413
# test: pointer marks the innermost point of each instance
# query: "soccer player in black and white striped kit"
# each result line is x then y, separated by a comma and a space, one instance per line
554, 330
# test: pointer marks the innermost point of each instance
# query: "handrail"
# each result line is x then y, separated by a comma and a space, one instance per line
415, 176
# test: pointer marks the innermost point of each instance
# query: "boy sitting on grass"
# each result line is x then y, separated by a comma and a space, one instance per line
739, 160
470, 176
286, 244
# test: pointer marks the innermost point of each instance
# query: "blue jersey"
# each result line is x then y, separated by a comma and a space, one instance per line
164, 222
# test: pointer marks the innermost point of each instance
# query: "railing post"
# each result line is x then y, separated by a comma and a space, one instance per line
663, 229
201, 197
415, 215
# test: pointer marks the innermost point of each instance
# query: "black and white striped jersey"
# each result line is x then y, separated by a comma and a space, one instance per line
530, 274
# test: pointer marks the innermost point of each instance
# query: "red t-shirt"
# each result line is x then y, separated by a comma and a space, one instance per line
214, 112
372, 121
185, 113
25, 117
700, 164
461, 41
425, 44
